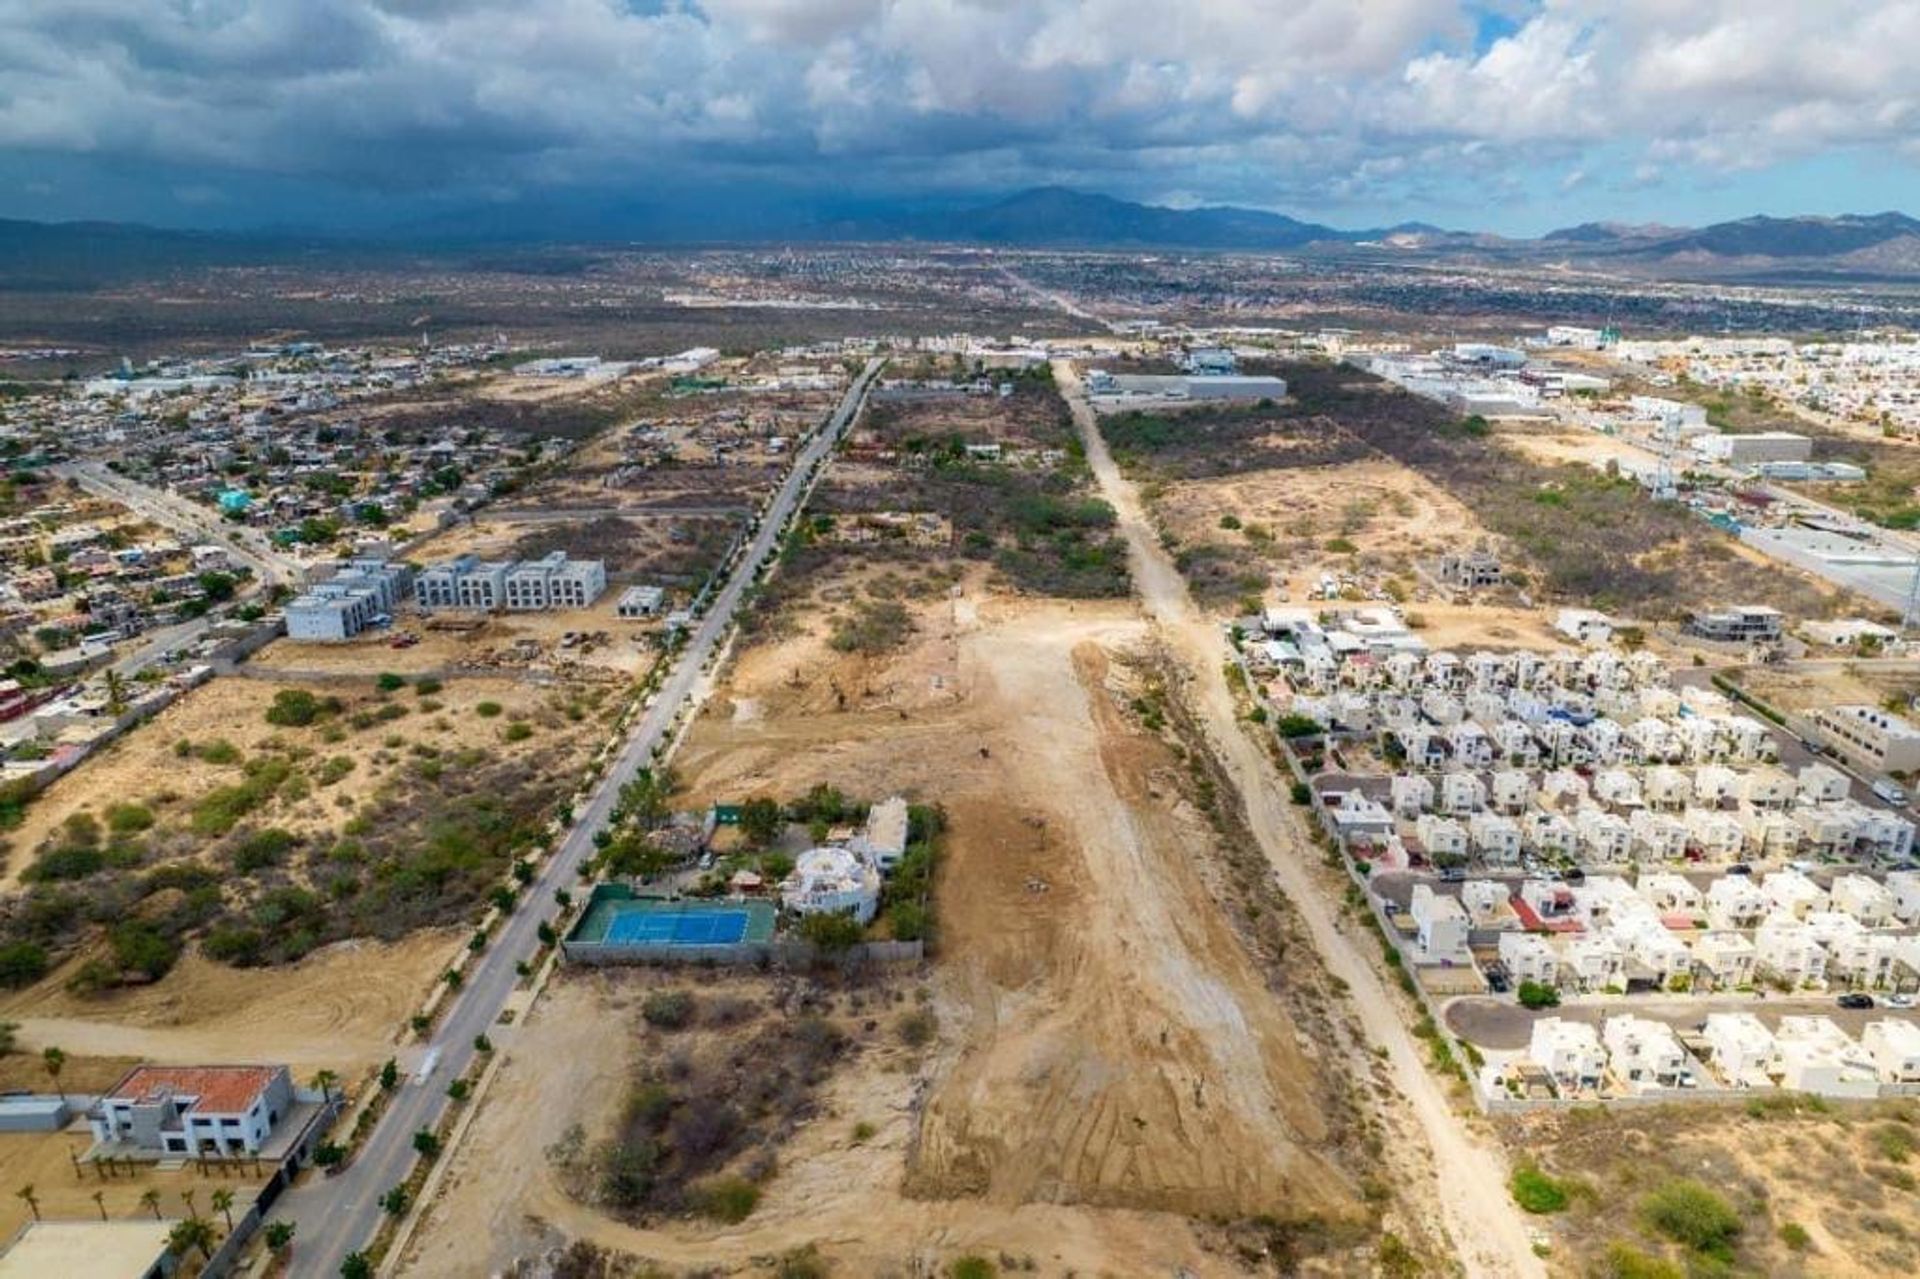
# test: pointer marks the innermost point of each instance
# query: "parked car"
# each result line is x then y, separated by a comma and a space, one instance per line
1889, 793
1574, 875
1856, 1000
1739, 868
1900, 1001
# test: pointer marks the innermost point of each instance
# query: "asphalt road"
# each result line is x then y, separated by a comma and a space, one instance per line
335, 1216
1499, 1024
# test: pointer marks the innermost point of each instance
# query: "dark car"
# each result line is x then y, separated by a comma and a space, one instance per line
1739, 868
1574, 875
1856, 1000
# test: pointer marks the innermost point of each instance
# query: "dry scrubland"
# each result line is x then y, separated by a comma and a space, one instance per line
1574, 534
1122, 1059
218, 834
1784, 1186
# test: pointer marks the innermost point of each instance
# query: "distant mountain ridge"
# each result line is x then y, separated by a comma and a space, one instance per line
77, 254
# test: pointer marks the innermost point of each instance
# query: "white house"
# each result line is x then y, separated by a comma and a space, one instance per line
1821, 783
1605, 837
1549, 834
1786, 951
193, 1110
1462, 793
1594, 963
1766, 788
1530, 957
1793, 893
828, 880
1718, 836
1865, 899
1570, 1051
1669, 894
1440, 836
1440, 926
1488, 903
1495, 837
1735, 901
1723, 960
1904, 885
1584, 626
1644, 1053
1894, 1046
1816, 1056
1713, 783
1667, 788
1412, 794
1741, 1049
1511, 790
1657, 837
1618, 787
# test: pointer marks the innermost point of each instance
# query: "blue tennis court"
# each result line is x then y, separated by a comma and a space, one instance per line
689, 926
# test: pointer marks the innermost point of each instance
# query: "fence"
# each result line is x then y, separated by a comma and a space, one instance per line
784, 954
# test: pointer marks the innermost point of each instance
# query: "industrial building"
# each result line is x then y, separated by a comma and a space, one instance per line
1753, 449
1163, 386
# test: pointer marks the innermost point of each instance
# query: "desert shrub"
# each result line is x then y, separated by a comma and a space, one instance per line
298, 708
425, 687
832, 931
1693, 1215
871, 627
388, 682
1795, 1236
668, 1009
488, 710
22, 963
333, 770
128, 819
971, 1266
1624, 1261
918, 1028
728, 1199
802, 1263
1536, 1192
518, 731
218, 751
260, 849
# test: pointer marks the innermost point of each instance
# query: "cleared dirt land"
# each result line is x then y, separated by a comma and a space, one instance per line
1111, 1060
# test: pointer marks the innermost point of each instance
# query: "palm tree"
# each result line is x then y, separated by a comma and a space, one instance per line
150, 1198
55, 1061
100, 1202
193, 1209
223, 1204
324, 1080
191, 1232
32, 1200
116, 693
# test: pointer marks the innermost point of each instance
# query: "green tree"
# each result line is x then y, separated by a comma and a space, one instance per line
356, 1265
279, 1237
834, 931
760, 820
223, 1204
1694, 1215
55, 1061
1533, 994
150, 1200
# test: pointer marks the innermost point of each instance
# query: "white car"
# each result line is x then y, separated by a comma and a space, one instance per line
1898, 1001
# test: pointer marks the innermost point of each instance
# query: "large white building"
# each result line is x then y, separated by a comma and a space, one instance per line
1875, 739
193, 1110
339, 607
470, 584
829, 880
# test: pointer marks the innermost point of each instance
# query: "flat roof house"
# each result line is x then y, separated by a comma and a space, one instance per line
1644, 1053
1742, 1049
1570, 1051
191, 1110
1870, 737
1894, 1046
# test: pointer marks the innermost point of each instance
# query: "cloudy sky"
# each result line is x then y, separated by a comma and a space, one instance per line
1509, 115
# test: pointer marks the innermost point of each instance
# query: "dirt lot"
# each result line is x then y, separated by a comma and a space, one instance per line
339, 1008
1554, 445
44, 1161
1108, 1054
504, 644
678, 550
1820, 1189
1805, 685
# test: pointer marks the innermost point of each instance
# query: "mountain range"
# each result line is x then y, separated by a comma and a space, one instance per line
1882, 245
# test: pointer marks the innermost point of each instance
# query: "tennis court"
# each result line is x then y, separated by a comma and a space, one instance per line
616, 919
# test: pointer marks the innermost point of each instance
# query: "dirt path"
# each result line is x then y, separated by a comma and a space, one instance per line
1487, 1229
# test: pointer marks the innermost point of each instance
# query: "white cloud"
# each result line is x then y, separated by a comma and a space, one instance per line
1243, 97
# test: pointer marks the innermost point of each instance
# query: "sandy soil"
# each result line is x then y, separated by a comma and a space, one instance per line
1805, 685
527, 643
1383, 508
1554, 445
339, 1008
1106, 1042
44, 1161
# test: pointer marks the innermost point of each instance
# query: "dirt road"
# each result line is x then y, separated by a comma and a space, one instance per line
1489, 1234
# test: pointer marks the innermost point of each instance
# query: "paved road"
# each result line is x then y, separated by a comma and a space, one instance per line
335, 1216
1504, 1026
1487, 1232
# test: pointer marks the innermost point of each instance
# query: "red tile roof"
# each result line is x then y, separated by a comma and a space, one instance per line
220, 1090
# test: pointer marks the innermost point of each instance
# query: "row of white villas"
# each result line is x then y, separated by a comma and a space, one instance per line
1785, 929
1736, 1050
